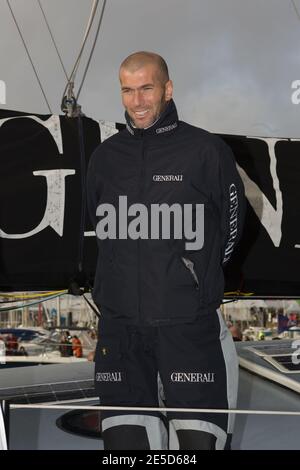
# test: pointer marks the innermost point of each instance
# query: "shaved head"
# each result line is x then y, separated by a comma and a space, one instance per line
141, 59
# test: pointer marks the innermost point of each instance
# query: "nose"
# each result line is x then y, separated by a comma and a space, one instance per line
137, 98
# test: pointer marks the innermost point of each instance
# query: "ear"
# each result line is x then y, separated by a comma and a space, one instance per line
168, 90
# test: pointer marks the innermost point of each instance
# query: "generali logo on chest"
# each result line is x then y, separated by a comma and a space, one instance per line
167, 177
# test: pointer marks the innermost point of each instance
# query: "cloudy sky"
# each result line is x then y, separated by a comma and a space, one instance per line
232, 61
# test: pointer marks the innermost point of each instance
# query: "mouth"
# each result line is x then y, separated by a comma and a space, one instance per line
140, 114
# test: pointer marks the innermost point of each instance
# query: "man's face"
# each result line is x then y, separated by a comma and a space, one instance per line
144, 96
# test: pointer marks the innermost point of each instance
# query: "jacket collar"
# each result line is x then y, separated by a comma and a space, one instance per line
165, 124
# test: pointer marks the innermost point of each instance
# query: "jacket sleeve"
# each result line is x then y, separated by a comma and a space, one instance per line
230, 201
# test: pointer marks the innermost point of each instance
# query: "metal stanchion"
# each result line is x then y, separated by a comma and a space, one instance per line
4, 424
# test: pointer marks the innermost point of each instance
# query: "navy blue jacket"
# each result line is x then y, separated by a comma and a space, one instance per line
159, 281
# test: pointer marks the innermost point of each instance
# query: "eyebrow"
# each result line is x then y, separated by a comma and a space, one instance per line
143, 86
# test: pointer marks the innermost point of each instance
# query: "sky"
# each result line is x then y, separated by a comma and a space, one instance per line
232, 62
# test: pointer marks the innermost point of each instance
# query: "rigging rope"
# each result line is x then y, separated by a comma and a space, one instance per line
29, 304
44, 294
92, 50
28, 54
159, 409
75, 68
296, 9
53, 40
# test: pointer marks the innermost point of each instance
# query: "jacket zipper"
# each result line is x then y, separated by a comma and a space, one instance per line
142, 176
190, 266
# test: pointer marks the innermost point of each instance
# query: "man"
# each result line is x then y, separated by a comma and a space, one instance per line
159, 293
76, 346
236, 333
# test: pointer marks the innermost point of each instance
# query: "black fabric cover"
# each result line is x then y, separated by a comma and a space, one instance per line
48, 260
